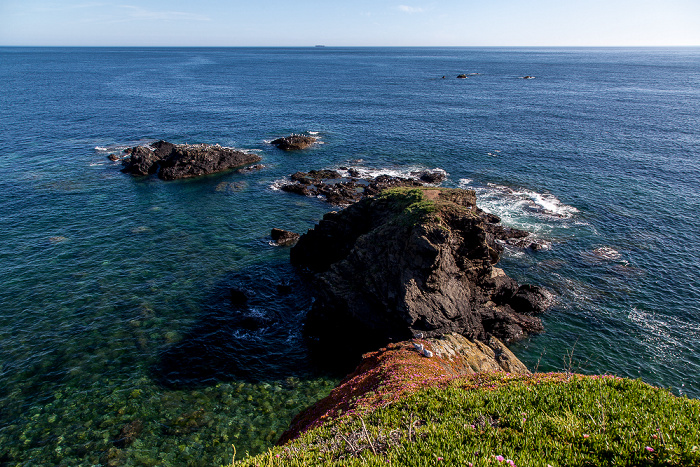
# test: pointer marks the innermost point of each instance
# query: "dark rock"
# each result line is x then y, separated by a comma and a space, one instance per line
238, 297
430, 177
113, 157
407, 262
142, 161
294, 142
284, 289
530, 299
128, 434
172, 161
528, 77
462, 76
284, 237
297, 189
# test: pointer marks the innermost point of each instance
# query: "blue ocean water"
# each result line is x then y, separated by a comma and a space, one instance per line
113, 298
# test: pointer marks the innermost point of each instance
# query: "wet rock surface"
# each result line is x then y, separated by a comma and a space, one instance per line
171, 161
294, 142
342, 191
283, 237
409, 262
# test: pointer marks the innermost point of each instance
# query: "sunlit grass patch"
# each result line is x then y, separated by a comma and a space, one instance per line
498, 419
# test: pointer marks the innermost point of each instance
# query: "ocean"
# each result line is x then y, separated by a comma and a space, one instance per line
113, 305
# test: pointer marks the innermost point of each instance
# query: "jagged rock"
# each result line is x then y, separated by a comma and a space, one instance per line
173, 162
294, 142
142, 161
283, 237
412, 261
113, 157
462, 76
431, 177
343, 193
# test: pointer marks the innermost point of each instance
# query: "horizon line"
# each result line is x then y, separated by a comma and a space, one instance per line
319, 46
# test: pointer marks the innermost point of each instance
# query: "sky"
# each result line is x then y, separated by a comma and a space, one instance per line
342, 23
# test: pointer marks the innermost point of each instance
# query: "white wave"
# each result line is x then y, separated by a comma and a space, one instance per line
502, 198
605, 252
313, 133
277, 185
100, 148
412, 172
464, 182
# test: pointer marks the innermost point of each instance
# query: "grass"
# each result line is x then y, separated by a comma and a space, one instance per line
552, 419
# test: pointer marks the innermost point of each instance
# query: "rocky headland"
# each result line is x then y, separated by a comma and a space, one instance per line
175, 161
413, 262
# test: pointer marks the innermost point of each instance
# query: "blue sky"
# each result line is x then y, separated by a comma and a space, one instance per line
359, 23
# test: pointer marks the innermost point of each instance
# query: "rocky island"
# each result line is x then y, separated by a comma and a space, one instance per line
414, 262
175, 161
294, 142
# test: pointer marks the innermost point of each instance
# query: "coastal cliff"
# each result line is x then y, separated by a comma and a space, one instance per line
409, 262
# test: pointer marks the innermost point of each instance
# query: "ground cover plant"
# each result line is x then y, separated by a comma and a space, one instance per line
553, 419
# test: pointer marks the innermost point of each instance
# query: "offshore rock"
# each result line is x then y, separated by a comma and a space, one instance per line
386, 375
410, 262
284, 237
294, 142
339, 191
171, 161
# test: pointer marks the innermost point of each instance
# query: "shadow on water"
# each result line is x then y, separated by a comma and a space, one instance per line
250, 330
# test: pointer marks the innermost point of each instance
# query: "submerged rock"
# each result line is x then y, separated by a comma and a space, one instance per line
171, 161
412, 261
128, 434
294, 142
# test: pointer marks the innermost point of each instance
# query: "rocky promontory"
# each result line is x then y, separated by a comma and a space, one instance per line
413, 262
174, 161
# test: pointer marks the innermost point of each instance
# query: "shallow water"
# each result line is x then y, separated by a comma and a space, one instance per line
115, 301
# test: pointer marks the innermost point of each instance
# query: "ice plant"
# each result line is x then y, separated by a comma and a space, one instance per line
649, 448
500, 458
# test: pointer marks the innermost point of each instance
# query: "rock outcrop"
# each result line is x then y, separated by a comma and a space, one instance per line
284, 237
175, 161
342, 191
294, 142
409, 262
387, 374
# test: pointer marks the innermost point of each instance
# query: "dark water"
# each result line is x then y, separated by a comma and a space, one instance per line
114, 297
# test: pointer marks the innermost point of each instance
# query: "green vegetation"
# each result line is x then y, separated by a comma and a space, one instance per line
495, 419
410, 204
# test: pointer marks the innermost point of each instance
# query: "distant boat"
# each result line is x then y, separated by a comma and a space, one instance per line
319, 46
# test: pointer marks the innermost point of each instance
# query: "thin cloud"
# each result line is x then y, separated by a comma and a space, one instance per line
410, 9
136, 12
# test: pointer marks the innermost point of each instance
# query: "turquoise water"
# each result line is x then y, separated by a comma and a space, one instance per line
114, 298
